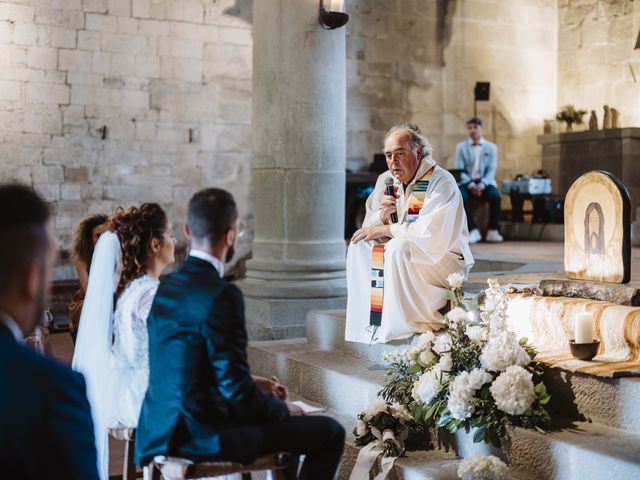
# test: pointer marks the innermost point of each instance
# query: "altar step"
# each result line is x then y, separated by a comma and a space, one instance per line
576, 396
346, 377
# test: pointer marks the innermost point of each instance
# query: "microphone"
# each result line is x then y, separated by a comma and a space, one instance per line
389, 190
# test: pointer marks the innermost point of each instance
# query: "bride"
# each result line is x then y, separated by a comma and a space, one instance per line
112, 349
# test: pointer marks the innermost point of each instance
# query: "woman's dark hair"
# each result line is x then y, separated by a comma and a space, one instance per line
82, 245
135, 227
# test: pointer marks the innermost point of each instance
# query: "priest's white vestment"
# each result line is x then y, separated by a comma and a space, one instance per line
425, 248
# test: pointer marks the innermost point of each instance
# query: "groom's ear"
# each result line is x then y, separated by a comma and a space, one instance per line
187, 231
231, 237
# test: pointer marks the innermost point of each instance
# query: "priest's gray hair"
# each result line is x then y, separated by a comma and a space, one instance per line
415, 136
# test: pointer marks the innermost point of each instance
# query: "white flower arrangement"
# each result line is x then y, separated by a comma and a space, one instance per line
483, 468
386, 423
476, 375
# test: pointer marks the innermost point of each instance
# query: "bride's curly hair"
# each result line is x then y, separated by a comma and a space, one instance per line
135, 227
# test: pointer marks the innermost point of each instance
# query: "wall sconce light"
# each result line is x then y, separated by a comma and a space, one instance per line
332, 14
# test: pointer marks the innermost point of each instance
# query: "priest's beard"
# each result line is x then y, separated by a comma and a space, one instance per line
230, 253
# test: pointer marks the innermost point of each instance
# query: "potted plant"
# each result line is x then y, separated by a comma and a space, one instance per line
570, 115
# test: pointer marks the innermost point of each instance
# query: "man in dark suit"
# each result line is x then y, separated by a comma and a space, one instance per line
45, 421
478, 160
202, 402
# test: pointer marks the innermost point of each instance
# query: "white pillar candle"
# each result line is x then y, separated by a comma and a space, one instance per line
584, 327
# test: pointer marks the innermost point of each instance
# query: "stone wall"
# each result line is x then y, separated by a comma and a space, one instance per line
115, 102
598, 63
419, 61
171, 82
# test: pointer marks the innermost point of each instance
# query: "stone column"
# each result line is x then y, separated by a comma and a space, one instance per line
298, 171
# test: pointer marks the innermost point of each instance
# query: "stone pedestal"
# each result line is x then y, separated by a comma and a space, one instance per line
566, 156
298, 171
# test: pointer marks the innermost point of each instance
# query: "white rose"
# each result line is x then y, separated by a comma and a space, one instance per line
426, 357
513, 390
376, 407
443, 343
457, 315
475, 333
455, 280
361, 428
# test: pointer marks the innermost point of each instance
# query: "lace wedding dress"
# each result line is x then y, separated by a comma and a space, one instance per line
131, 350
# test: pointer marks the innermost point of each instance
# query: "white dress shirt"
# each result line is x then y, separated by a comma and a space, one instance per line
476, 149
13, 327
207, 257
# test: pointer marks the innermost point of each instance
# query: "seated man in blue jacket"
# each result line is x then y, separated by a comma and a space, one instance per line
45, 421
478, 159
202, 403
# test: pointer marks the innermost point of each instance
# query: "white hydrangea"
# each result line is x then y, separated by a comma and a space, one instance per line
455, 280
475, 333
480, 467
457, 315
513, 390
426, 357
442, 343
503, 350
427, 386
478, 377
462, 399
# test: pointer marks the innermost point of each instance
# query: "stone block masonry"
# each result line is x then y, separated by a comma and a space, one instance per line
116, 102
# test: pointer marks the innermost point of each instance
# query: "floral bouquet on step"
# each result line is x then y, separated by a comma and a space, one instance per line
386, 423
476, 375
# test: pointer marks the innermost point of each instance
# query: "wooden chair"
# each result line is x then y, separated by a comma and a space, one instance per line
174, 468
127, 435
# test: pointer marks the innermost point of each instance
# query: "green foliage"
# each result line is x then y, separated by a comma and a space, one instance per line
570, 115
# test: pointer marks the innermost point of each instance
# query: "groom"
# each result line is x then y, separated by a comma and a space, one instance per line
202, 402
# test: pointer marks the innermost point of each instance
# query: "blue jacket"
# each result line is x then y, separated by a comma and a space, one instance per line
200, 390
46, 429
488, 162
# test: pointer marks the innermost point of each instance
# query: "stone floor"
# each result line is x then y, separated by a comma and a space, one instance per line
516, 262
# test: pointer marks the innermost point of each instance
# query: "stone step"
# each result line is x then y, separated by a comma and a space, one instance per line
610, 401
347, 384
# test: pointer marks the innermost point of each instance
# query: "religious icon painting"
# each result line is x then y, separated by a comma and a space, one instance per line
597, 229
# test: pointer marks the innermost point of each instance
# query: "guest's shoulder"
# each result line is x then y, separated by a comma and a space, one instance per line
41, 370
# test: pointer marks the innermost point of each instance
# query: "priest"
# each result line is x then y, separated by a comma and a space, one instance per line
413, 237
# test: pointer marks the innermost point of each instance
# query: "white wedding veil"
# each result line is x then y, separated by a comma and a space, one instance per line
92, 355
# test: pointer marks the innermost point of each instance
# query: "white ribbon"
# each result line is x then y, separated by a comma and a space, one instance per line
368, 456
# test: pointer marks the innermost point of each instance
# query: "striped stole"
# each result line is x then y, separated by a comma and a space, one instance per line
416, 202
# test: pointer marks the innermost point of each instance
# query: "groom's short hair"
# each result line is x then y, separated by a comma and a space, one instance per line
211, 214
23, 232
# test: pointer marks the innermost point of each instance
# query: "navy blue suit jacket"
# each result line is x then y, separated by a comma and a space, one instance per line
201, 393
46, 429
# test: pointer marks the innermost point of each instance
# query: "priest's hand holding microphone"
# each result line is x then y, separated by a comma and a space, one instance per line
388, 215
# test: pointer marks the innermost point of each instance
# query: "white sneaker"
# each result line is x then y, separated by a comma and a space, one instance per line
494, 236
474, 236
